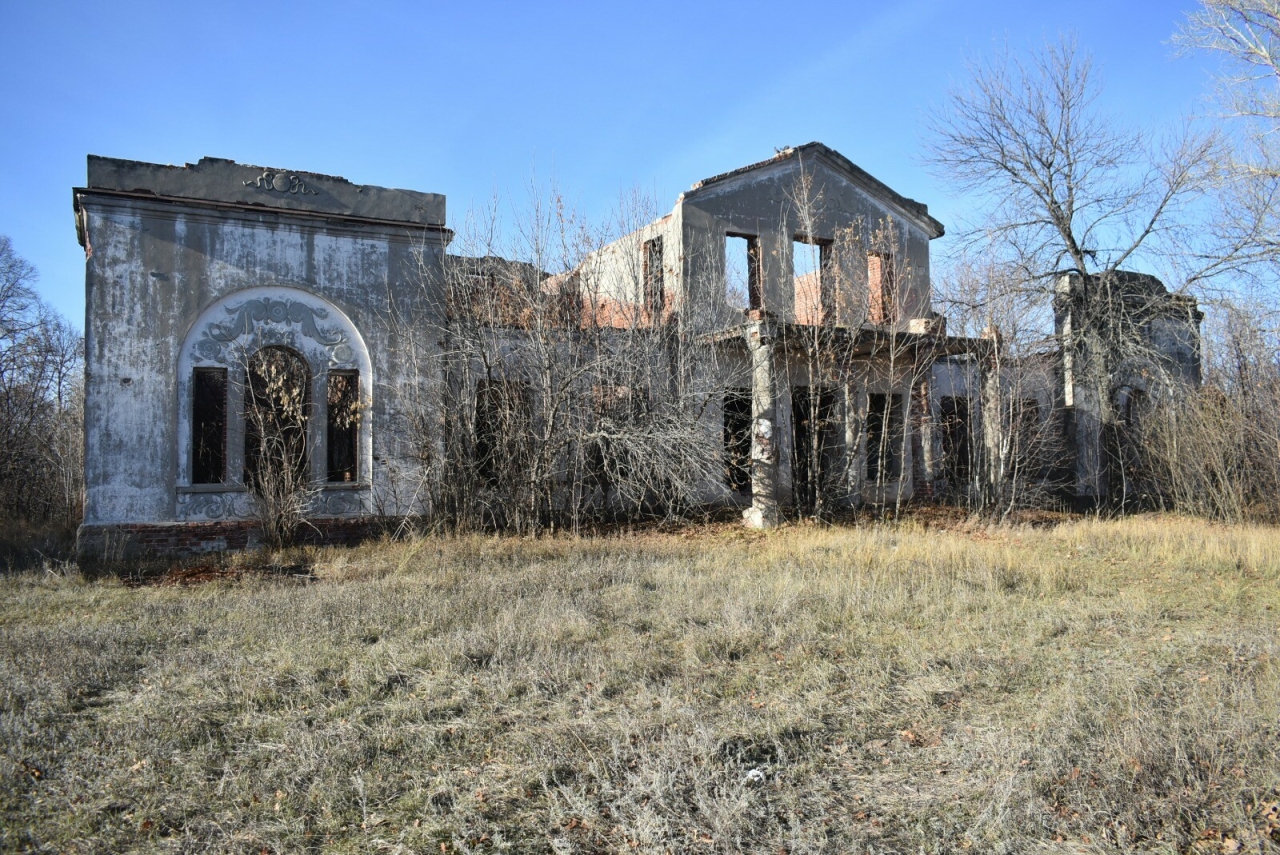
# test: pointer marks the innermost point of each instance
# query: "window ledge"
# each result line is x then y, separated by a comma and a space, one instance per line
240, 488
212, 488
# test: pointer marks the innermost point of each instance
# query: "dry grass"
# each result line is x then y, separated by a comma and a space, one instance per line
1098, 686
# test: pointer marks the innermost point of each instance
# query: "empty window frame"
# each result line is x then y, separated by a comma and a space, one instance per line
1029, 458
343, 429
954, 427
209, 426
654, 295
814, 296
501, 425
737, 439
882, 288
885, 435
277, 407
742, 285
814, 443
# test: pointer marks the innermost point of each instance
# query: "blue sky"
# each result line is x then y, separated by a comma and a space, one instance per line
469, 99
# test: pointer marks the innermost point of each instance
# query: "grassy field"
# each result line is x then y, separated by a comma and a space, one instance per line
1096, 686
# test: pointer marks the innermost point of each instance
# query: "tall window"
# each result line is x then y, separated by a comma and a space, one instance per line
813, 433
654, 296
1029, 458
277, 404
742, 272
885, 435
956, 448
815, 298
882, 294
209, 426
737, 439
342, 435
502, 425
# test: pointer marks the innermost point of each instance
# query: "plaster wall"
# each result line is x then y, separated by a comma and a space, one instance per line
155, 266
776, 204
613, 278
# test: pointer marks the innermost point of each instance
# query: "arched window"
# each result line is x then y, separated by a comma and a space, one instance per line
277, 407
273, 375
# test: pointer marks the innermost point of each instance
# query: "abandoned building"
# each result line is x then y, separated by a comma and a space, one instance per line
809, 280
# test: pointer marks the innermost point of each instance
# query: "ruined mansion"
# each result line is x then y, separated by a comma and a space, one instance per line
827, 380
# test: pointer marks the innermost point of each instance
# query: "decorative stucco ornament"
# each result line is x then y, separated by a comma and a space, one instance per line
281, 182
272, 320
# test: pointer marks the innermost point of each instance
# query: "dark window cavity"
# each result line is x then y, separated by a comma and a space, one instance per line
276, 408
619, 414
209, 426
957, 455
814, 442
1029, 441
885, 435
737, 439
343, 433
502, 423
654, 295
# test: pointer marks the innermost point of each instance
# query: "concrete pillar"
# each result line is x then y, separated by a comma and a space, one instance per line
761, 334
924, 458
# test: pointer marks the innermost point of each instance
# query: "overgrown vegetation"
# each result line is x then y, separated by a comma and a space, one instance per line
1110, 685
41, 400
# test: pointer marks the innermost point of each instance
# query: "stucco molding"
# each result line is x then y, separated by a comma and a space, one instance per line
280, 182
271, 320
94, 201
226, 334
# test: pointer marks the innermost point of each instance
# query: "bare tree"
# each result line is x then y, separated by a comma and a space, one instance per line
1064, 187
1245, 35
277, 466
553, 389
41, 401
1002, 426
1215, 451
1068, 191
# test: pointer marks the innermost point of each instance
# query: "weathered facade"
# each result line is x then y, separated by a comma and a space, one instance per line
807, 279
827, 330
192, 270
1123, 339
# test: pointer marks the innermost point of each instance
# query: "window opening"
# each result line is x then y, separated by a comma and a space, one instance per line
209, 426
619, 411
654, 295
277, 404
814, 441
882, 294
502, 421
957, 452
1029, 457
737, 439
814, 299
885, 435
742, 271
343, 430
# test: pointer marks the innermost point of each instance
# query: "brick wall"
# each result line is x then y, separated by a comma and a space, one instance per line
129, 541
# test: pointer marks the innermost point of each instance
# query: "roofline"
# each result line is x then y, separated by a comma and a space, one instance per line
910, 207
78, 192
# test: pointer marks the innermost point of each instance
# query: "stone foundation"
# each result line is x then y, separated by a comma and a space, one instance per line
129, 541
